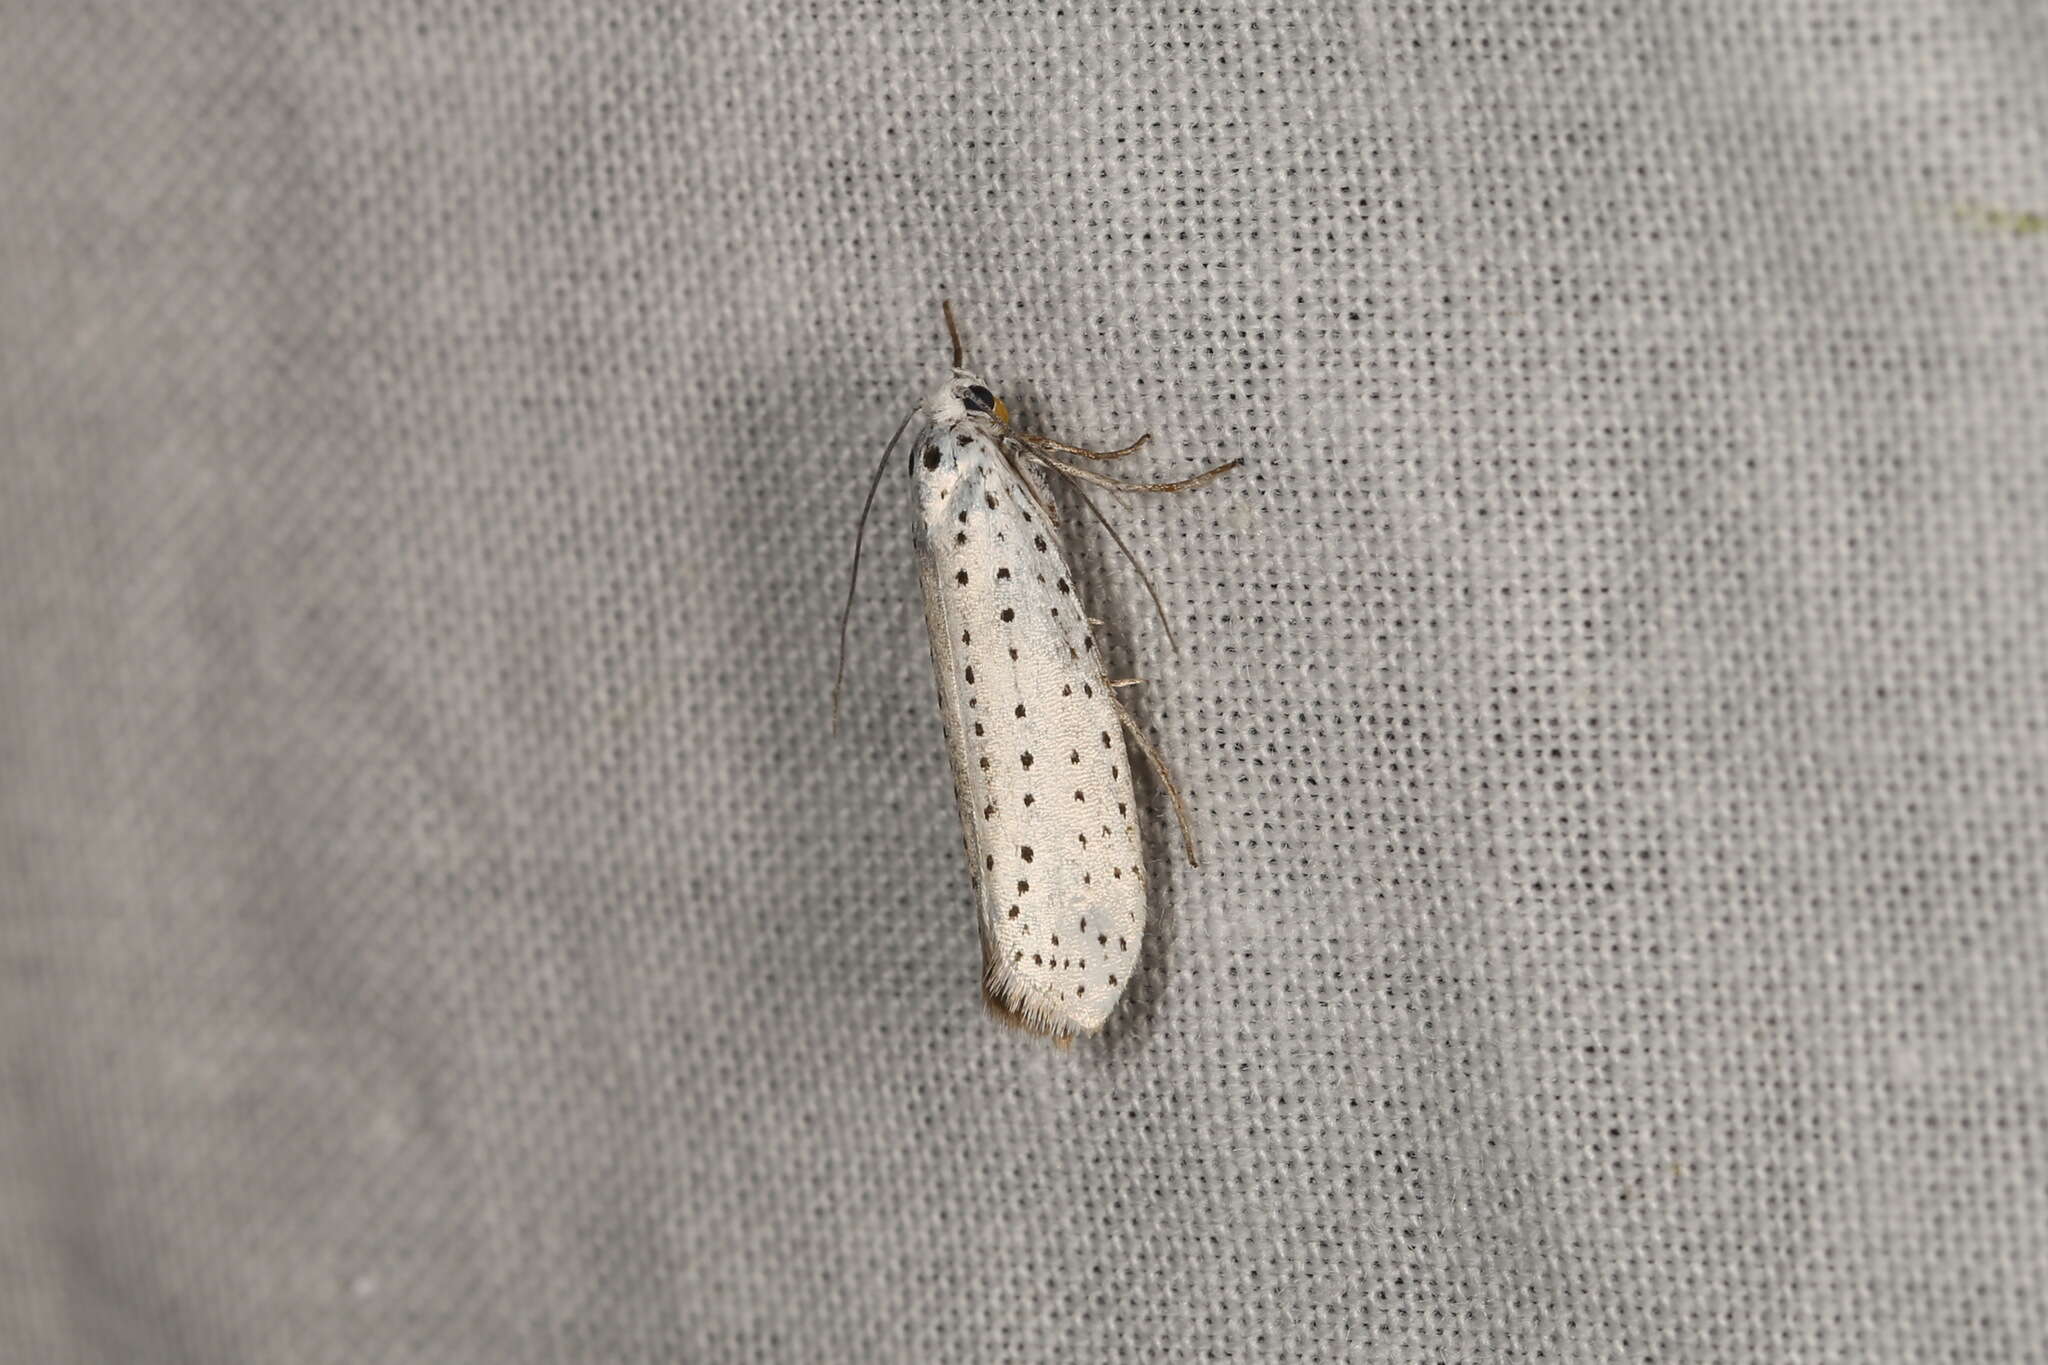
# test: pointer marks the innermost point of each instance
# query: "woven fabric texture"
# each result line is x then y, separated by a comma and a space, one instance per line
438, 923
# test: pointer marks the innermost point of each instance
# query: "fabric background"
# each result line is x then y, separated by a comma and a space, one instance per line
436, 920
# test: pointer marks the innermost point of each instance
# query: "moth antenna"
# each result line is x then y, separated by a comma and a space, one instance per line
953, 331
860, 532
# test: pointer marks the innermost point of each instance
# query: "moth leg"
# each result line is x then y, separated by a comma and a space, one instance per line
1159, 769
1074, 471
1048, 443
1126, 682
1143, 577
1033, 491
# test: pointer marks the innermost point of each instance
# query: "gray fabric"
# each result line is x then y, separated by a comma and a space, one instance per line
436, 921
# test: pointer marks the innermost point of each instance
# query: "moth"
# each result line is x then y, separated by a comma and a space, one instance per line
1033, 726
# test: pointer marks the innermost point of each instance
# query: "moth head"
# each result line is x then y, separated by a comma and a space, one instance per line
976, 397
965, 393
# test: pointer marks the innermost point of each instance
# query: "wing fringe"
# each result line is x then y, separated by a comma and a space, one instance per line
1012, 1002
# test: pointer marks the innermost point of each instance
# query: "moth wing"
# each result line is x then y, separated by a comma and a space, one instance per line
1040, 769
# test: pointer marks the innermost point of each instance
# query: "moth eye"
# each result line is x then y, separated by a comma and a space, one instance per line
978, 398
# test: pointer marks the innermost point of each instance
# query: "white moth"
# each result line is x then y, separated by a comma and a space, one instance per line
1033, 726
